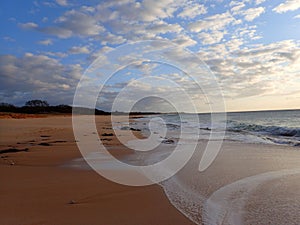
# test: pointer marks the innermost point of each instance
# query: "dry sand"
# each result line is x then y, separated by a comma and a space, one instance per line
36, 188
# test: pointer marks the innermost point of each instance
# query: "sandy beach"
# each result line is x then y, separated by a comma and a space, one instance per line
246, 184
36, 187
150, 112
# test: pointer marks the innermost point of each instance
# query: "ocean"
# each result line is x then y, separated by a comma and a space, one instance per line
280, 127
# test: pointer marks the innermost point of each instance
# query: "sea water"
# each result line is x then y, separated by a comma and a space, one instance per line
270, 127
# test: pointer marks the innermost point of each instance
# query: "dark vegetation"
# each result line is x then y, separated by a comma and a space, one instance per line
42, 107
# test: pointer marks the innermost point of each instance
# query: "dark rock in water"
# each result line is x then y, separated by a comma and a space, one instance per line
125, 128
173, 126
205, 128
138, 117
108, 134
168, 141
134, 129
130, 128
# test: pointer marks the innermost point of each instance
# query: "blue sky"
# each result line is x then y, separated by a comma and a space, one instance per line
252, 46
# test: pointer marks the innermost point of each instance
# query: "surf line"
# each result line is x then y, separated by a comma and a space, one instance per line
226, 205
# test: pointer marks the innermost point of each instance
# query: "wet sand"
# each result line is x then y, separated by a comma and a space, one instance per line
36, 187
246, 184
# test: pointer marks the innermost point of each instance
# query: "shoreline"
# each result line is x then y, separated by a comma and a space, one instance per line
226, 193
238, 172
36, 189
40, 188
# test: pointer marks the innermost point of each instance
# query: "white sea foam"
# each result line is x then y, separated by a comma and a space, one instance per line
276, 127
226, 205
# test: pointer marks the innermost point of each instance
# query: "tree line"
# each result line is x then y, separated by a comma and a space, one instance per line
40, 106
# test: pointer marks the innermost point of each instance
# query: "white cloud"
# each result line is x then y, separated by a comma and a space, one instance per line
153, 9
192, 10
234, 44
56, 54
288, 5
38, 75
80, 23
135, 31
255, 70
237, 6
211, 38
28, 26
57, 31
79, 50
215, 22
62, 2
248, 33
252, 13
109, 38
10, 39
258, 2
74, 23
88, 8
161, 27
297, 17
126, 20
101, 52
234, 2
146, 11
46, 42
48, 3
184, 40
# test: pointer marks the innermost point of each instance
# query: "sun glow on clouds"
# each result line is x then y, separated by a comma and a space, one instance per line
54, 41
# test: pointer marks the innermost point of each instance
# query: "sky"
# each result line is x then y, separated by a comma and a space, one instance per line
251, 47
